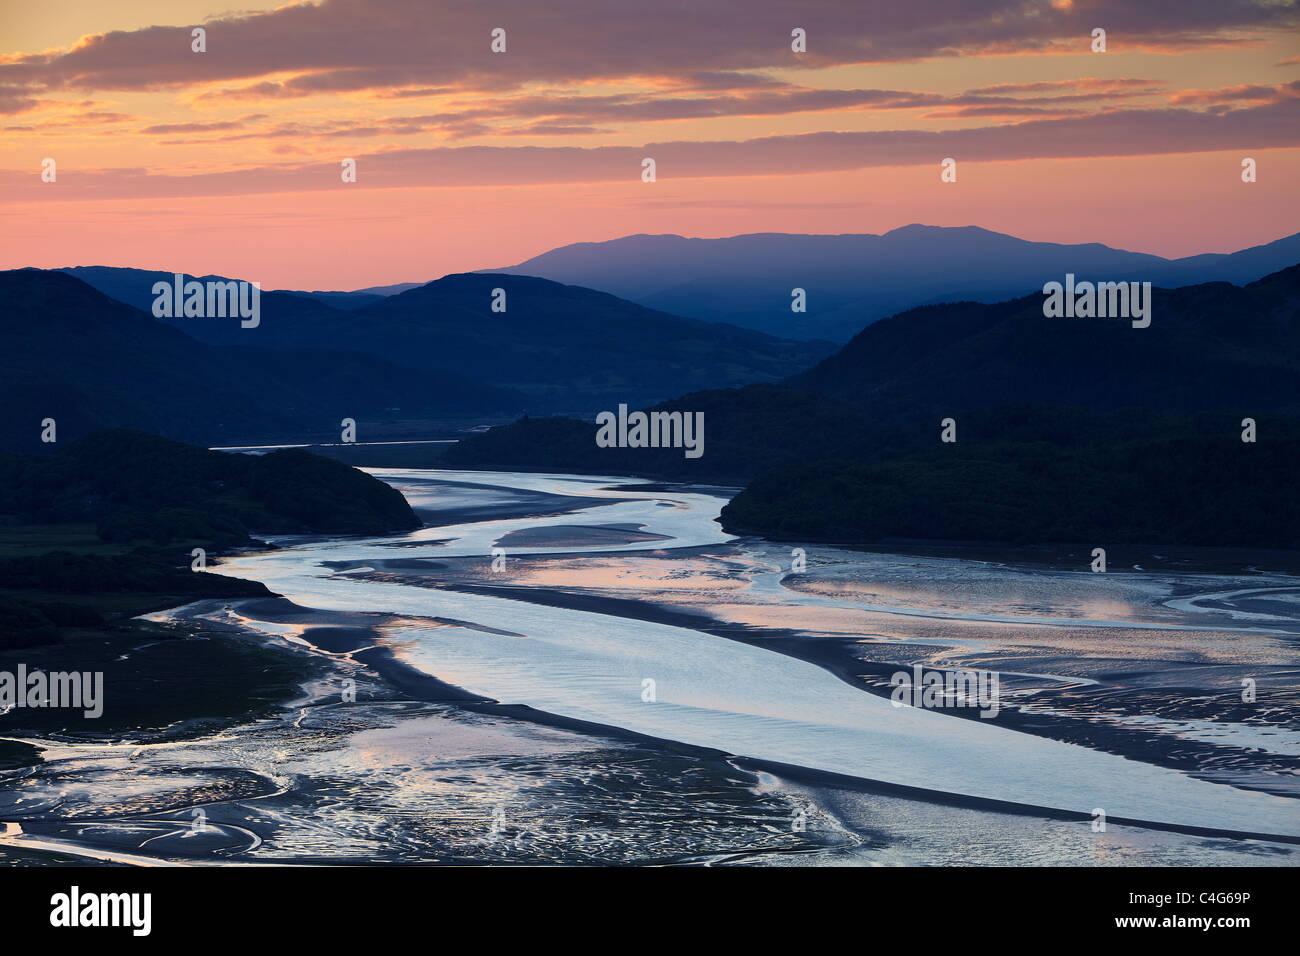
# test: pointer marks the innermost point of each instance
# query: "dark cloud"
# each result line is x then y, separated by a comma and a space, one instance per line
1117, 133
344, 45
961, 112
554, 115
1233, 95
193, 127
1082, 86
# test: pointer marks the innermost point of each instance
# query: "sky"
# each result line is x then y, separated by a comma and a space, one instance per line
229, 160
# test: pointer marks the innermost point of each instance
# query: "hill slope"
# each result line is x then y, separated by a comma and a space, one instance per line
1213, 355
566, 348
105, 526
1208, 489
70, 353
1209, 347
111, 475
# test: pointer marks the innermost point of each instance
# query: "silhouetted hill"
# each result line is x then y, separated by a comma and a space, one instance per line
556, 342
115, 475
1171, 469
1209, 347
747, 430
1067, 429
853, 280
135, 287
1208, 490
88, 361
564, 348
105, 526
1004, 371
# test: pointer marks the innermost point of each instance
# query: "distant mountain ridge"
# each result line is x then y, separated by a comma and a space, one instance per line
70, 353
1210, 347
1004, 372
853, 280
133, 286
564, 348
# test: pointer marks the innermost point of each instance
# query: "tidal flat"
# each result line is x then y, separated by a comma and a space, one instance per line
630, 684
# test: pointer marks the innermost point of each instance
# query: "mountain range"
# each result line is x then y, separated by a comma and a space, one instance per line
484, 345
853, 280
94, 359
70, 353
562, 348
1064, 430
1003, 371
133, 286
1211, 346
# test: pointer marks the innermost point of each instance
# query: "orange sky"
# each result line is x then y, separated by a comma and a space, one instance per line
227, 161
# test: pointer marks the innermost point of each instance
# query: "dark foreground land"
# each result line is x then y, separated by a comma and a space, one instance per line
115, 524
105, 530
992, 423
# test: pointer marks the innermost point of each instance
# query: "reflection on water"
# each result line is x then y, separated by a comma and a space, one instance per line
594, 664
406, 782
423, 783
610, 607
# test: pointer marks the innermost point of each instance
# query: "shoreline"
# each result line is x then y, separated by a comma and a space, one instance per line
832, 655
359, 644
430, 689
357, 637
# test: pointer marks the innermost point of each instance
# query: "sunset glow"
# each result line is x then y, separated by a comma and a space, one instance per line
228, 160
